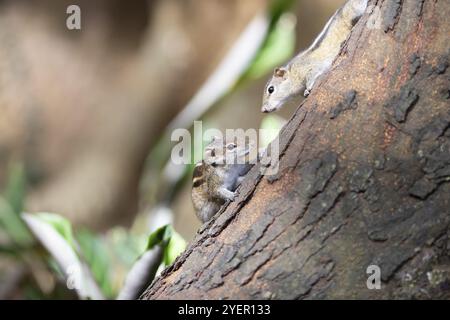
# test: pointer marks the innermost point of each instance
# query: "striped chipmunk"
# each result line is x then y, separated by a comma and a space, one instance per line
217, 176
298, 75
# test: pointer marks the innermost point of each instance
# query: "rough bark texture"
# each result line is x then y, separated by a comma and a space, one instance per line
364, 179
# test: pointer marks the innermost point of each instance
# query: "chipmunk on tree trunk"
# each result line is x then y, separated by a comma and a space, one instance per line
299, 74
217, 176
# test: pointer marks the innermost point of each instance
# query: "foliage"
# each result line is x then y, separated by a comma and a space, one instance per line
93, 255
11, 204
279, 44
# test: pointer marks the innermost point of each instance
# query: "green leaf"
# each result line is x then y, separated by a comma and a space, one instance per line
9, 250
125, 247
174, 248
164, 246
55, 234
171, 242
278, 8
13, 225
141, 274
60, 224
160, 237
11, 206
15, 187
95, 253
279, 46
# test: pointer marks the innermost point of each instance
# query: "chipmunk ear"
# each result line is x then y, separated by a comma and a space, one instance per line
215, 138
280, 72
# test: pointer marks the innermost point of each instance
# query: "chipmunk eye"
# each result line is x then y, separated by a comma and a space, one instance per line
270, 89
214, 164
231, 146
213, 153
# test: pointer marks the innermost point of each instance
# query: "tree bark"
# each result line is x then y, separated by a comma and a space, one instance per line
363, 180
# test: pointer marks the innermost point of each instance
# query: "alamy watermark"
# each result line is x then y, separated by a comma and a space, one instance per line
268, 157
73, 21
374, 280
74, 275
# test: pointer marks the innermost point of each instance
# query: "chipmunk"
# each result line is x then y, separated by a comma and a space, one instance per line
299, 74
217, 176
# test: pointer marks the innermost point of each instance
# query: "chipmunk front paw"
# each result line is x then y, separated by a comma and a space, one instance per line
227, 194
306, 93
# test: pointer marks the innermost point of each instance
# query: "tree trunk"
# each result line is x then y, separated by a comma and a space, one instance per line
363, 180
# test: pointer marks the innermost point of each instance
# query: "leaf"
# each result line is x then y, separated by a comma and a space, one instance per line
12, 224
279, 44
60, 224
141, 274
278, 47
11, 205
160, 237
8, 250
144, 269
55, 234
15, 187
95, 252
164, 245
278, 7
125, 246
174, 248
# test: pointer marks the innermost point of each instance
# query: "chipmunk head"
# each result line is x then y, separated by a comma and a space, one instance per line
277, 91
219, 153
220, 160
